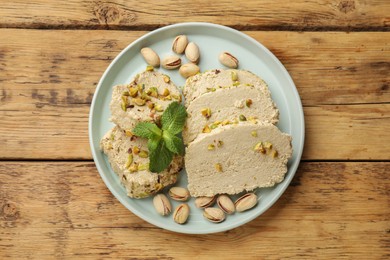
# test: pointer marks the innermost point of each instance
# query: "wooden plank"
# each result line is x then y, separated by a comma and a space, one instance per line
244, 14
63, 209
47, 83
332, 133
328, 68
334, 68
347, 132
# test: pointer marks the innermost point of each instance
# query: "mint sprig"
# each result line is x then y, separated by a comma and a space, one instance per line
163, 142
173, 143
174, 118
147, 130
160, 157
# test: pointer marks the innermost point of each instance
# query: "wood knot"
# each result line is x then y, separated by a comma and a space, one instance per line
5, 96
9, 211
384, 87
111, 14
346, 6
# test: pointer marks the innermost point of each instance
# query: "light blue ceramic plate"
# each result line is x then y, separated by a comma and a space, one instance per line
211, 39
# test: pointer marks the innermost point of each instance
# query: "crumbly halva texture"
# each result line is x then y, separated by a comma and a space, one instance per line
214, 79
143, 100
246, 161
225, 106
128, 158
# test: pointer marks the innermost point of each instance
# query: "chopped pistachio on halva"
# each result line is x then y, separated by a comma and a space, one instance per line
143, 100
212, 80
221, 106
127, 156
240, 164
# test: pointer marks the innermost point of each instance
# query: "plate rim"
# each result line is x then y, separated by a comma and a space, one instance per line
293, 168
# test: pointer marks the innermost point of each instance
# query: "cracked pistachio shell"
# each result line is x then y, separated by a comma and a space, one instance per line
181, 213
228, 60
226, 204
188, 70
179, 193
214, 215
204, 202
162, 205
179, 44
192, 52
150, 56
245, 202
171, 62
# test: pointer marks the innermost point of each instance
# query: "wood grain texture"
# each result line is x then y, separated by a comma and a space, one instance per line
47, 84
243, 14
347, 132
63, 209
328, 68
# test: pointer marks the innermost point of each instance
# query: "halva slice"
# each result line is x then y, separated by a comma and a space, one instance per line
236, 158
143, 100
226, 106
128, 156
212, 80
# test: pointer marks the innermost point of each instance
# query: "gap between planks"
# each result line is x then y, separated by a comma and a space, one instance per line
151, 27
48, 160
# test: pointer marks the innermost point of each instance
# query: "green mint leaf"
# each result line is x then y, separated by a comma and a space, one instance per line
147, 130
163, 143
173, 143
160, 157
174, 118
153, 143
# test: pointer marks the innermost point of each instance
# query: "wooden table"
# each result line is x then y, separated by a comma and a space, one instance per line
53, 203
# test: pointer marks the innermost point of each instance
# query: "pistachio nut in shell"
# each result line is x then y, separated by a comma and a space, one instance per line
228, 60
171, 62
214, 215
245, 202
162, 205
204, 202
226, 204
150, 56
179, 193
181, 213
179, 44
188, 70
192, 52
